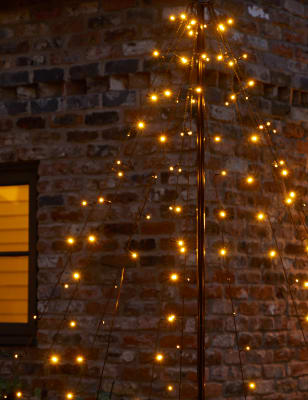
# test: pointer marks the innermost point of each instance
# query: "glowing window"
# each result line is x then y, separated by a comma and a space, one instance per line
17, 253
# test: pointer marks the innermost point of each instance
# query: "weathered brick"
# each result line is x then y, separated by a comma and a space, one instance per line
14, 78
102, 118
117, 98
81, 136
48, 75
119, 5
84, 71
31, 123
122, 66
44, 105
51, 201
82, 102
16, 107
14, 47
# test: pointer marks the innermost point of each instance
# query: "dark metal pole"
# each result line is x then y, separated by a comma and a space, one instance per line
201, 204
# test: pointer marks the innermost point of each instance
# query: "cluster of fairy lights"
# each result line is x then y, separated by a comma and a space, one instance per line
254, 138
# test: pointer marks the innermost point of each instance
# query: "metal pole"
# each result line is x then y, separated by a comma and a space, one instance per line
201, 204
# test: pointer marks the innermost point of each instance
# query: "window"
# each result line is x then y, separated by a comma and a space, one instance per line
17, 252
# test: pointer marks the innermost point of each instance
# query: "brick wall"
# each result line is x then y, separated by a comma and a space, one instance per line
74, 78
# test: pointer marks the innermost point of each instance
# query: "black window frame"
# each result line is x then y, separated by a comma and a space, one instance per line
23, 173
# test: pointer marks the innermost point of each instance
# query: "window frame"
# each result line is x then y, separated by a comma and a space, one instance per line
23, 173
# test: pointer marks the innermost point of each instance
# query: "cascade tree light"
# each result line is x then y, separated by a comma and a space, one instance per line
199, 18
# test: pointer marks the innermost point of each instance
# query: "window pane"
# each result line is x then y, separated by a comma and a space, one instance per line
14, 289
14, 218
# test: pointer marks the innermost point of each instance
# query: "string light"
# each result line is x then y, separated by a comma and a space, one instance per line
148, 216
18, 394
91, 239
182, 250
84, 203
252, 385
233, 97
119, 162
162, 139
54, 359
292, 195
223, 173
220, 57
79, 359
70, 240
101, 200
178, 209
120, 174
134, 255
251, 83
204, 56
289, 200
221, 28
245, 56
250, 179
268, 123
169, 388
159, 357
247, 348
154, 97
155, 53
193, 22
231, 63
254, 138
230, 21
73, 324
183, 16
217, 139
171, 168
172, 18
260, 216
69, 395
167, 93
180, 242
15, 355
171, 318
184, 60
284, 172
66, 286
272, 253
198, 89
306, 285
223, 251
141, 125
222, 214
174, 277
76, 276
